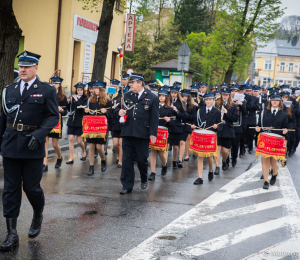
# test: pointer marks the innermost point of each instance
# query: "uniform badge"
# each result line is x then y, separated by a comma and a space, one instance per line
146, 107
25, 54
35, 85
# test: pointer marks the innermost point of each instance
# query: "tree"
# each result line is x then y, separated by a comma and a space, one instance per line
104, 28
10, 34
192, 16
236, 29
289, 28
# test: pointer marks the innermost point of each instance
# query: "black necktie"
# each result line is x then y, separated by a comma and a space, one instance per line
274, 112
208, 111
137, 96
25, 89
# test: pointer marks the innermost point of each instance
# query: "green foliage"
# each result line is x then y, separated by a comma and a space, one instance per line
192, 16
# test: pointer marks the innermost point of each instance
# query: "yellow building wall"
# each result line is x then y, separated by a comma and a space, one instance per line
40, 28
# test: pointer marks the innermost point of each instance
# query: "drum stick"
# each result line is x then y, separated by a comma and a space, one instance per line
168, 117
194, 125
63, 106
272, 129
212, 125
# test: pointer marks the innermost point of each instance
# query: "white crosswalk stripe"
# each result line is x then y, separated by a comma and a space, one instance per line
286, 200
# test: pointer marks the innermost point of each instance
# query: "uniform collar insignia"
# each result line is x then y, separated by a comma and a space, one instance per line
35, 85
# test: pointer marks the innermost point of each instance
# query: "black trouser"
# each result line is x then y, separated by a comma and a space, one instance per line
243, 139
290, 141
134, 149
250, 136
297, 137
235, 145
16, 171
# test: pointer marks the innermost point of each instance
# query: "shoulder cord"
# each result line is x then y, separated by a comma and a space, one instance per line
88, 106
200, 123
6, 109
125, 106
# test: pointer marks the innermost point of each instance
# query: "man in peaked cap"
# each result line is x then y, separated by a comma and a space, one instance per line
140, 127
30, 112
125, 81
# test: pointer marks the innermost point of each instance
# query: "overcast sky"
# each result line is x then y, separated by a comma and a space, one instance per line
293, 7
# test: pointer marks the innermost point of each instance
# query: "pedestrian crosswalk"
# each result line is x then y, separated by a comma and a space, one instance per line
250, 211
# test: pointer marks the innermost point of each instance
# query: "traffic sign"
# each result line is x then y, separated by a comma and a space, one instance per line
129, 71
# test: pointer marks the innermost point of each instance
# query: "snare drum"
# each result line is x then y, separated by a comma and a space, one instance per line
94, 126
161, 140
271, 145
203, 143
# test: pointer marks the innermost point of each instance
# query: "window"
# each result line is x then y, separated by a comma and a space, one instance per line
282, 66
294, 83
119, 6
289, 83
268, 65
291, 67
265, 81
281, 82
298, 84
299, 69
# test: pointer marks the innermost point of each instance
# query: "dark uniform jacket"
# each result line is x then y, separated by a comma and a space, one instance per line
116, 126
280, 120
292, 119
214, 117
252, 106
38, 107
165, 112
231, 116
75, 120
177, 126
188, 116
64, 105
238, 128
142, 120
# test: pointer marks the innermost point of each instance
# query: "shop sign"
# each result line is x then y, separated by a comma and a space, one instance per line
84, 29
130, 32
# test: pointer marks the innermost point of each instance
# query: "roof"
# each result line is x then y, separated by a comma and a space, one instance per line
281, 47
170, 64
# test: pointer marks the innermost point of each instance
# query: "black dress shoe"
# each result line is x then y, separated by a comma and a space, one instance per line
217, 171
125, 191
103, 165
119, 165
210, 176
194, 156
241, 156
70, 162
266, 185
117, 161
224, 166
233, 163
152, 176
36, 224
58, 163
164, 170
83, 158
228, 161
12, 238
144, 185
262, 177
250, 151
91, 171
45, 168
180, 165
198, 181
175, 165
186, 159
273, 179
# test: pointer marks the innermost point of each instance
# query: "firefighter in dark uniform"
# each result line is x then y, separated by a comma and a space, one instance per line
30, 112
125, 80
141, 116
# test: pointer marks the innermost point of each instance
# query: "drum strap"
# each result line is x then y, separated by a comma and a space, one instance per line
200, 123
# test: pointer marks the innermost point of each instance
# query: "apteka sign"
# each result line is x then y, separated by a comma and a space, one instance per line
130, 32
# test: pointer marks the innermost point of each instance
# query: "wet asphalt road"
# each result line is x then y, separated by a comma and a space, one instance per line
86, 217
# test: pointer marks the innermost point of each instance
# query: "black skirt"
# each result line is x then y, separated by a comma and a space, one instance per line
116, 134
75, 131
224, 142
184, 136
174, 138
55, 135
95, 141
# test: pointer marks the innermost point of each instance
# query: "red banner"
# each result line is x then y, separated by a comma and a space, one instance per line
94, 127
204, 143
161, 140
57, 129
271, 145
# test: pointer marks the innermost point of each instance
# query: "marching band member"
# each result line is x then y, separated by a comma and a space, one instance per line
194, 94
75, 120
125, 81
297, 95
165, 112
188, 116
62, 108
273, 116
116, 125
229, 115
236, 142
207, 116
176, 129
99, 102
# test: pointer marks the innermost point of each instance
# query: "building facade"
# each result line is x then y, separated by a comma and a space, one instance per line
64, 35
278, 62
